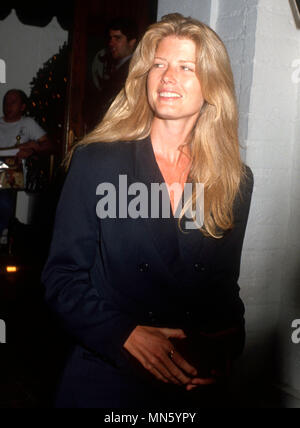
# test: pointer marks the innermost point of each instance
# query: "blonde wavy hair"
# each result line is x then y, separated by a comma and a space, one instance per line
213, 144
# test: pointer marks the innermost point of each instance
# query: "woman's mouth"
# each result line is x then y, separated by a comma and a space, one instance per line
167, 94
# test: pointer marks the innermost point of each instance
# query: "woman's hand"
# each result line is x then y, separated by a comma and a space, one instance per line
153, 349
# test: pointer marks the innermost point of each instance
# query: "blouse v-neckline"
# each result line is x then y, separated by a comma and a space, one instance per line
164, 180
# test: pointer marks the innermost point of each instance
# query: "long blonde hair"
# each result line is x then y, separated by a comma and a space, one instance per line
214, 146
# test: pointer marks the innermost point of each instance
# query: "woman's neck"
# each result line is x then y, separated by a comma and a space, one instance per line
167, 136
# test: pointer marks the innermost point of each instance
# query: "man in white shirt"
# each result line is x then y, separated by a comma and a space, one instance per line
15, 129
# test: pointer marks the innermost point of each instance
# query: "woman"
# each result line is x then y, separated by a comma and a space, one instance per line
152, 303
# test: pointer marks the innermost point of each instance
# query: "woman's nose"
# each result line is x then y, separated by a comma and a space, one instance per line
169, 76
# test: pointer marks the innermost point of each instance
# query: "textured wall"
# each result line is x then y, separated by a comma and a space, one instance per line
290, 275
271, 257
236, 25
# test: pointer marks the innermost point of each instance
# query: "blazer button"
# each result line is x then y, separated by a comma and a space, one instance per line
143, 267
199, 268
188, 316
151, 316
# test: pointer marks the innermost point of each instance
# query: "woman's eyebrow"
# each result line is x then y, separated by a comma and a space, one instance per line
187, 60
180, 60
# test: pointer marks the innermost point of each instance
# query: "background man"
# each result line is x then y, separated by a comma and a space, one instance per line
110, 70
17, 129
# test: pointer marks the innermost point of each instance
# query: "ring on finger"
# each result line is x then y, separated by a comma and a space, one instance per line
171, 354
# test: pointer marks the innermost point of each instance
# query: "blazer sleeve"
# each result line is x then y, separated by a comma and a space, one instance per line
89, 318
243, 200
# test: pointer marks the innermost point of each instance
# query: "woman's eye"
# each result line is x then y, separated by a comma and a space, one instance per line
186, 68
158, 65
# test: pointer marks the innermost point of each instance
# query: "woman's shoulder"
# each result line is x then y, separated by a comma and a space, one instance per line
103, 153
98, 150
243, 198
247, 181
101, 160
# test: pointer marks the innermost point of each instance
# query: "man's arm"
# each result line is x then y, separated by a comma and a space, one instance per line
42, 146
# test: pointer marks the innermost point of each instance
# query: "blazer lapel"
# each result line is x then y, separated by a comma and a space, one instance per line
163, 231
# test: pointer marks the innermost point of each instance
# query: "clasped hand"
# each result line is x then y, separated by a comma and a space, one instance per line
152, 348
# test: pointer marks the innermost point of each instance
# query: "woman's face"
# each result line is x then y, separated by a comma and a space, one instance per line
174, 90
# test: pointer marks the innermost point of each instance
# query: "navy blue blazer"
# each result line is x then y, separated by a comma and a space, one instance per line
106, 276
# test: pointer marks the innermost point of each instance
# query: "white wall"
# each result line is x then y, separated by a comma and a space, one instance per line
25, 49
235, 22
272, 251
286, 101
263, 41
290, 289
199, 9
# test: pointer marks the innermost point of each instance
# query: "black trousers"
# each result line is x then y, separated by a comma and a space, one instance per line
7, 206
